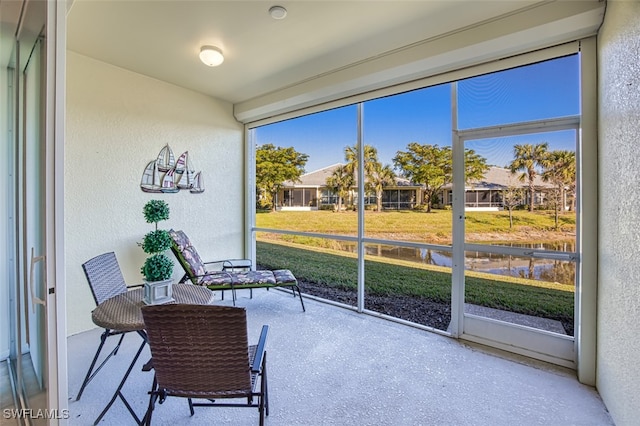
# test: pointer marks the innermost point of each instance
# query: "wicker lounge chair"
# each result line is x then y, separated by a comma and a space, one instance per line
105, 280
202, 352
230, 274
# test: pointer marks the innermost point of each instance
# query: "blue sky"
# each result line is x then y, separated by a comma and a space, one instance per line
544, 90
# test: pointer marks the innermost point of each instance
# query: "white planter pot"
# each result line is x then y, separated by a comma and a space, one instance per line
158, 292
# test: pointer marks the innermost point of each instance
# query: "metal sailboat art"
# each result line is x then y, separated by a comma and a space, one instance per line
165, 160
178, 174
151, 178
185, 168
198, 184
168, 184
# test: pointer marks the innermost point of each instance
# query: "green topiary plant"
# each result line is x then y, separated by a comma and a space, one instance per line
158, 266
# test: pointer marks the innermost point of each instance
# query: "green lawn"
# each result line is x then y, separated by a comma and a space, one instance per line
434, 227
386, 277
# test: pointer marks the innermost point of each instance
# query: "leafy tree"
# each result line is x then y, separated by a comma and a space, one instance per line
340, 181
560, 170
431, 166
512, 196
526, 159
274, 166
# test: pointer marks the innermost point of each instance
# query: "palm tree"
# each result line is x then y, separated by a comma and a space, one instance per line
370, 160
381, 177
340, 181
560, 170
526, 158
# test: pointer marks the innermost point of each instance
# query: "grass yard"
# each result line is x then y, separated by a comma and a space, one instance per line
388, 277
434, 227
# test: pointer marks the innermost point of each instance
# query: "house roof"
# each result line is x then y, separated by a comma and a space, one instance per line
499, 178
496, 178
318, 179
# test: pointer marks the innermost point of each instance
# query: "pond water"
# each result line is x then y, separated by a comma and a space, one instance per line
534, 268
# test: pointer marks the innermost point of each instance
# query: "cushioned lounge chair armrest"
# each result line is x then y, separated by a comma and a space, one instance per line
230, 264
237, 264
218, 263
257, 361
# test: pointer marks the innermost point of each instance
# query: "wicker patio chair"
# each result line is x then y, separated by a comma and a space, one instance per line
105, 280
202, 352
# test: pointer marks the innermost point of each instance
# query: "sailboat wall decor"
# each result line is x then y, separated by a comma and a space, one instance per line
151, 178
165, 160
198, 184
168, 175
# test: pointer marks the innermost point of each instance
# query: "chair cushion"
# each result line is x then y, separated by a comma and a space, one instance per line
196, 266
216, 278
188, 256
284, 276
253, 277
181, 239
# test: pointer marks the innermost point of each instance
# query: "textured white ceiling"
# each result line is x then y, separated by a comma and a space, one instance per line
162, 38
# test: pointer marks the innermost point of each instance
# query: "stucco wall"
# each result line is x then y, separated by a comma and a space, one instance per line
117, 121
618, 375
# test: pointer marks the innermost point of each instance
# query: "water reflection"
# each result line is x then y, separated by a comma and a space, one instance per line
540, 269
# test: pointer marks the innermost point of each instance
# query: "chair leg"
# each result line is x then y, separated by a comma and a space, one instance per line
91, 373
153, 396
294, 288
191, 406
264, 385
263, 404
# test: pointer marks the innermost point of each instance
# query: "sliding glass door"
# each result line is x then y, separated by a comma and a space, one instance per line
32, 395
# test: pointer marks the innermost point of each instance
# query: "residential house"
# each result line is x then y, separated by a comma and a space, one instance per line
487, 193
310, 192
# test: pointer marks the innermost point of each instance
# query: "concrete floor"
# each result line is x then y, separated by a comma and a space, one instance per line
332, 366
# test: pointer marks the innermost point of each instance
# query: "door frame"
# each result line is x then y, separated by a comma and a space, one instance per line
540, 344
47, 19
585, 322
56, 30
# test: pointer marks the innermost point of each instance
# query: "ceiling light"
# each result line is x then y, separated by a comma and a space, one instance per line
211, 56
277, 12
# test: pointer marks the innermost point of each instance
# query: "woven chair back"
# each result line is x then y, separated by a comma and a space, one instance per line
199, 350
104, 276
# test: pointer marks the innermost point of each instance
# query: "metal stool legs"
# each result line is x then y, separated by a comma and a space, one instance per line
91, 373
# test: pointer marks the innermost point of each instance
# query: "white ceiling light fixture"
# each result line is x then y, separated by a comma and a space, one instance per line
277, 12
211, 56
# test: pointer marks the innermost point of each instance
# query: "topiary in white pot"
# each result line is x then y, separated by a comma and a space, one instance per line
158, 268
